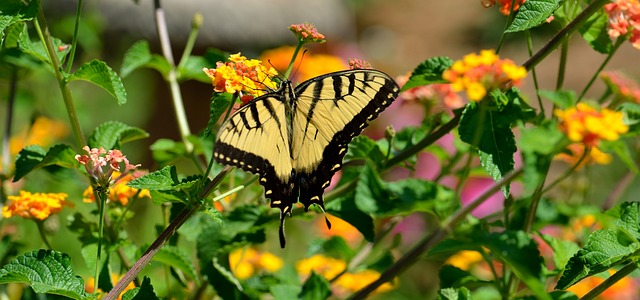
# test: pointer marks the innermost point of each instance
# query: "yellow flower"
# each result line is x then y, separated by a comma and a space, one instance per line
587, 125
464, 259
242, 75
245, 262
477, 74
576, 150
325, 266
120, 191
91, 283
356, 281
35, 206
43, 132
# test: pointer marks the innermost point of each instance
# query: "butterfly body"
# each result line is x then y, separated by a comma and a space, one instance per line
294, 139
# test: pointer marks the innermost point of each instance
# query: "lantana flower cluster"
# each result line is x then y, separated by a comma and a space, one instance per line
624, 17
102, 165
436, 93
242, 75
505, 5
307, 33
37, 206
585, 124
476, 74
623, 87
245, 263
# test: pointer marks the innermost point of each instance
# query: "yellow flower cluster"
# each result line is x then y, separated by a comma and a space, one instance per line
119, 192
242, 75
245, 263
329, 268
43, 132
587, 125
576, 151
35, 206
464, 259
479, 73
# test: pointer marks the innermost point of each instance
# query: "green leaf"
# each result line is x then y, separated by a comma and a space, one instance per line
453, 277
46, 271
138, 56
192, 68
316, 287
144, 292
416, 195
363, 147
563, 250
284, 291
544, 139
34, 157
113, 134
15, 11
533, 13
345, 208
220, 103
37, 50
621, 148
428, 72
368, 190
165, 150
161, 180
100, 74
520, 252
454, 294
563, 99
335, 246
594, 31
226, 273
495, 141
176, 258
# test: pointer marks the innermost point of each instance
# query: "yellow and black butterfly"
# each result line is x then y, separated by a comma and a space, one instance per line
295, 138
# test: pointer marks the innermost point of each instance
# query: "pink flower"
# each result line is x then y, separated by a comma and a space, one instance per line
624, 17
307, 33
98, 159
356, 63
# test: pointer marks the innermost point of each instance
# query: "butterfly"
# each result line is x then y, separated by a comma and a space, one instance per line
294, 139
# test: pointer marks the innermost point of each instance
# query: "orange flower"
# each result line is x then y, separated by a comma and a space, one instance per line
479, 74
625, 288
89, 286
245, 263
587, 125
35, 206
241, 75
505, 5
313, 64
624, 17
119, 191
354, 282
43, 132
622, 86
339, 227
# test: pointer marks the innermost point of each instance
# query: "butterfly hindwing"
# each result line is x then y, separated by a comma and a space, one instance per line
330, 110
255, 138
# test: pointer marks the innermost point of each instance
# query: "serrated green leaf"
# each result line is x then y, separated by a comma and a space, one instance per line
369, 189
533, 13
416, 195
176, 258
100, 74
113, 134
428, 72
161, 180
12, 34
144, 292
605, 248
461, 293
46, 271
316, 287
562, 250
594, 31
363, 147
220, 103
14, 11
37, 50
33, 157
138, 56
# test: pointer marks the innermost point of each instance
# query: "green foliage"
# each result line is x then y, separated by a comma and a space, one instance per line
139, 56
113, 134
100, 74
428, 72
316, 287
594, 32
34, 157
46, 271
533, 13
145, 291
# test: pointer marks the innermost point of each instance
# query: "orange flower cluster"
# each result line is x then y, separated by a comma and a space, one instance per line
624, 17
437, 93
35, 206
242, 75
120, 192
245, 263
478, 74
587, 125
576, 151
313, 65
307, 33
505, 5
622, 86
43, 132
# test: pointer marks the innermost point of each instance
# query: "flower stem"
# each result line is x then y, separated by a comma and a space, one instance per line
43, 236
564, 33
527, 34
438, 235
172, 77
45, 37
604, 63
196, 23
293, 59
101, 192
74, 42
